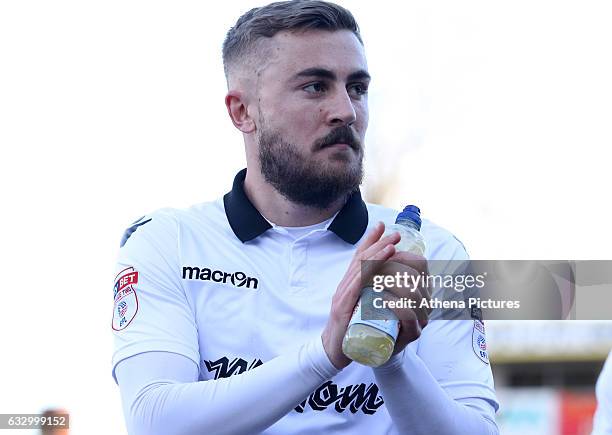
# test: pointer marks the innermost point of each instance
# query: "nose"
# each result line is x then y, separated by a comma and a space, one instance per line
342, 110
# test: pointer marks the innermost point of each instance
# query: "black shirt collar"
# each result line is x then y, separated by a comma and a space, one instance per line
247, 223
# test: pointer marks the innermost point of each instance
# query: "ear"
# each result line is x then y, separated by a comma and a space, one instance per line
238, 112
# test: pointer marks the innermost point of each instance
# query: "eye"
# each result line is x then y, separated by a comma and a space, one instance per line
315, 88
358, 89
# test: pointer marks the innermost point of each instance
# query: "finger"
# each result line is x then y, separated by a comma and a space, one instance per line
405, 313
353, 289
426, 294
422, 312
414, 261
372, 237
369, 239
368, 269
374, 264
410, 328
414, 291
409, 331
369, 254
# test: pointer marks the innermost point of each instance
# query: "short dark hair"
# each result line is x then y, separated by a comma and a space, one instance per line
267, 21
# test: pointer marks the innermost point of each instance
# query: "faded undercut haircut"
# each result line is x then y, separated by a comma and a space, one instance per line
243, 40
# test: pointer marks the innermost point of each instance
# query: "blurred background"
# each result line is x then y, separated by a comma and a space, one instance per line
493, 117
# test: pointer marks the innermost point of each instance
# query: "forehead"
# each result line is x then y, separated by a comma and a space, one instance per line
292, 52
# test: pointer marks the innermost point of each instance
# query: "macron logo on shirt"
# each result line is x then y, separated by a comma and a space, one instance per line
237, 279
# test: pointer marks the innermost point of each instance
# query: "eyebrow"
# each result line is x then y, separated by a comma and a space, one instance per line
330, 75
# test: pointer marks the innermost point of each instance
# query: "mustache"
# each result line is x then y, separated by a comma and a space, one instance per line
342, 134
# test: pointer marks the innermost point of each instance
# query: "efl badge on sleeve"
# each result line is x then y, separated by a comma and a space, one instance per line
479, 341
126, 301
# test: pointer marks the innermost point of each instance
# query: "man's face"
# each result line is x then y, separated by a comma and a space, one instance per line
313, 115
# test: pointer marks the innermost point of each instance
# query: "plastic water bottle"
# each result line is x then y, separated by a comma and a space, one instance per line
371, 342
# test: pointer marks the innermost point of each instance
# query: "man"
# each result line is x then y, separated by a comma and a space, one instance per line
62, 415
229, 316
602, 421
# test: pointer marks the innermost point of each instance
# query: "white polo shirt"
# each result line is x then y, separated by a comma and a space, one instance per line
220, 285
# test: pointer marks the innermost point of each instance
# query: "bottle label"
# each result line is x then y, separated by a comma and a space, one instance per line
383, 319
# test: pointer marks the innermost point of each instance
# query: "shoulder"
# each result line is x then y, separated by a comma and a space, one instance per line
162, 219
165, 224
378, 212
441, 244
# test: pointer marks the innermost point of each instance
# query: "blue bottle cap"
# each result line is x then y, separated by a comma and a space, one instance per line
412, 213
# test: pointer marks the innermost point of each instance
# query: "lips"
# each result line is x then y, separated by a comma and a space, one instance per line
341, 143
337, 145
340, 136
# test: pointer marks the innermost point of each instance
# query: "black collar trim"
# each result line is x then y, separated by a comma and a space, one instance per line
247, 223
351, 223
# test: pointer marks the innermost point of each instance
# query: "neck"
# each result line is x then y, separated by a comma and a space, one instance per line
281, 211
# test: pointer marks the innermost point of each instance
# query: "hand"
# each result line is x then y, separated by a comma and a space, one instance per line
349, 290
412, 320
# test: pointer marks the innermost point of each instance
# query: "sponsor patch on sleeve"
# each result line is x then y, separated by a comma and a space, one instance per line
126, 301
479, 341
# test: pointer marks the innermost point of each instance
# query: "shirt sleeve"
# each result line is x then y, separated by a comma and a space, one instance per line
454, 349
151, 310
160, 394
156, 357
447, 375
419, 404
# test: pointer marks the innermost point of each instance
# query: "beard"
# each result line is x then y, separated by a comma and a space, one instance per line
307, 181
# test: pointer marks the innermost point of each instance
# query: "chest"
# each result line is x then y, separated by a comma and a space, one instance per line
254, 301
